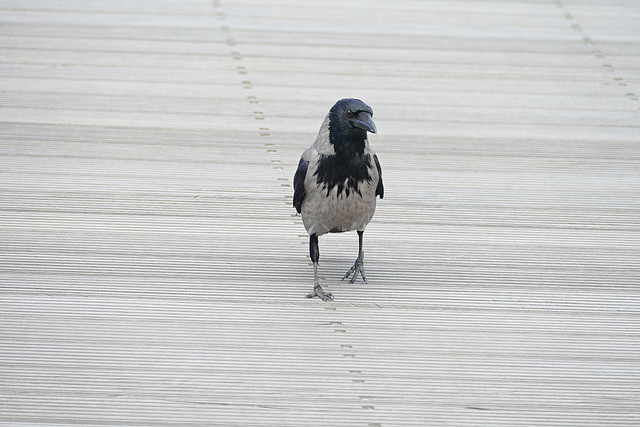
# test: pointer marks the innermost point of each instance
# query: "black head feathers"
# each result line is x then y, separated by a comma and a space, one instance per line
349, 121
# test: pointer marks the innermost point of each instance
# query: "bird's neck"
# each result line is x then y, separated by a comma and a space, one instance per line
350, 144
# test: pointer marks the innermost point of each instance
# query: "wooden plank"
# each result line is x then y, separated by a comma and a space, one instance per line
153, 271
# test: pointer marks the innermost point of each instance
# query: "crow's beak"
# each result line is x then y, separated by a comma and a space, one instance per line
365, 122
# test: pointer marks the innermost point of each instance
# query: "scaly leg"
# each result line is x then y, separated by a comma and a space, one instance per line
314, 252
358, 266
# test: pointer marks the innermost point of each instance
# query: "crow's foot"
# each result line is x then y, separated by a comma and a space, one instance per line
320, 293
358, 267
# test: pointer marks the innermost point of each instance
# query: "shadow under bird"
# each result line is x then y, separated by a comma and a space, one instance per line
337, 182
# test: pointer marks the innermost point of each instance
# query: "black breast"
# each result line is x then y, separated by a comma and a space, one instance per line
345, 172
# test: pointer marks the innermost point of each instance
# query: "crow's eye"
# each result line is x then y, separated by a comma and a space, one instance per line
349, 113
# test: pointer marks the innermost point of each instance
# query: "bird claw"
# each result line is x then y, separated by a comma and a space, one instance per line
358, 267
320, 293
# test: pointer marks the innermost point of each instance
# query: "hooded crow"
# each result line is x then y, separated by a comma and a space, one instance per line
337, 181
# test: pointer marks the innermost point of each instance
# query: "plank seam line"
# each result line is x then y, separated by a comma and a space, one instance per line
344, 350
606, 63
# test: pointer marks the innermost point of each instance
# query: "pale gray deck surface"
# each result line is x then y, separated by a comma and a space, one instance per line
153, 272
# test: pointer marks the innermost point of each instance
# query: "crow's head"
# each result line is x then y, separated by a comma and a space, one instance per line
350, 120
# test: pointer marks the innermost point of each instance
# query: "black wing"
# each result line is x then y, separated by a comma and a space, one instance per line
298, 184
380, 187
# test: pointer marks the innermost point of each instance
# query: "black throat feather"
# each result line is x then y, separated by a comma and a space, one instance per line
349, 166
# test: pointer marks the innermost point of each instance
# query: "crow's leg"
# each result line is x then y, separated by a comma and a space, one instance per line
358, 266
315, 256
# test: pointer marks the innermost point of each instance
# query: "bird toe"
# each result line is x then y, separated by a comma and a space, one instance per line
358, 268
320, 293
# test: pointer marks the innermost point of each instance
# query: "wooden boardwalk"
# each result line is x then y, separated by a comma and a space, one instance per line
152, 270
